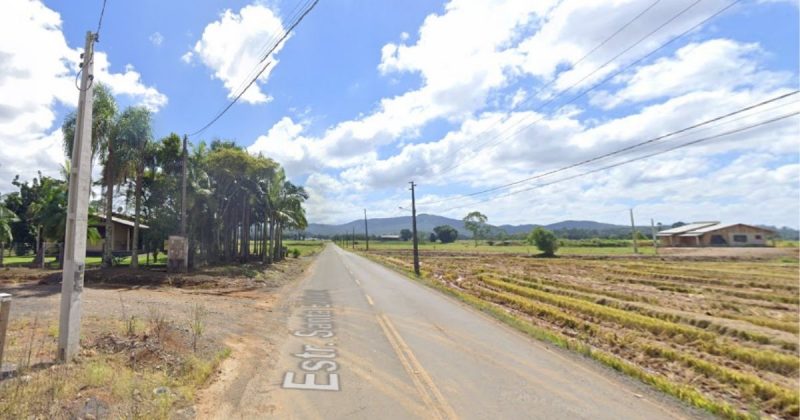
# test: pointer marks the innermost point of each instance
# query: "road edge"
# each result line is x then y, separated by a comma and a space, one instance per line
684, 395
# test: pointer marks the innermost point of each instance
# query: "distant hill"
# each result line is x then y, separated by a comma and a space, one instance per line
426, 223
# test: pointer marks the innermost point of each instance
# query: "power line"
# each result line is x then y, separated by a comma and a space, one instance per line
627, 148
253, 80
584, 92
580, 60
100, 22
290, 17
691, 143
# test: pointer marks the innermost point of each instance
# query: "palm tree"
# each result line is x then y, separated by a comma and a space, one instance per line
7, 217
289, 212
104, 115
134, 135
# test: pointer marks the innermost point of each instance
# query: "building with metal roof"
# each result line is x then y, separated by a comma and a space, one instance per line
715, 234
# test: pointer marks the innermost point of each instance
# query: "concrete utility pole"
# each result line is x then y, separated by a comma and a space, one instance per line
69, 326
633, 232
366, 229
183, 187
414, 239
653, 230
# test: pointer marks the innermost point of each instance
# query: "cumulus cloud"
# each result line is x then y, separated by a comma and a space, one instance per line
234, 45
37, 73
470, 80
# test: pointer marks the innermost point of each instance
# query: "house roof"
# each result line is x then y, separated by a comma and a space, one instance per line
701, 228
707, 229
686, 228
121, 221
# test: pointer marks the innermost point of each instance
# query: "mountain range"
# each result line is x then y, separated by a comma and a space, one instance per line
426, 223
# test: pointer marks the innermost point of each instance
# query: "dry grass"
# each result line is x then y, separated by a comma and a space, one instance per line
722, 335
126, 369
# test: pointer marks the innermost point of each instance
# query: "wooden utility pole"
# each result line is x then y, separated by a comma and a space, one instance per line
69, 326
366, 229
414, 240
633, 232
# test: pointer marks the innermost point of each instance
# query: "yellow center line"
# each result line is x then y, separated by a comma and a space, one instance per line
357, 282
422, 380
369, 299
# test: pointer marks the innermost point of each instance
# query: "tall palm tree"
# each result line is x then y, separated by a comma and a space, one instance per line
7, 217
104, 116
134, 135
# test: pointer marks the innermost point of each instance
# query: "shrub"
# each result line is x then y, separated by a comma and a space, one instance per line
545, 240
295, 252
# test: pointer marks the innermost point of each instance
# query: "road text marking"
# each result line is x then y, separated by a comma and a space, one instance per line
318, 359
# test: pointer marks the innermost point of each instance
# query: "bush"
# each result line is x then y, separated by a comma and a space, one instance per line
545, 240
295, 252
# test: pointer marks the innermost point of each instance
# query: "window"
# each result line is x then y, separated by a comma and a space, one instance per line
758, 237
739, 238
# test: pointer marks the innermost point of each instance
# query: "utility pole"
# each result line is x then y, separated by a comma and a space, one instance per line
633, 232
69, 325
366, 229
414, 228
354, 237
183, 187
653, 230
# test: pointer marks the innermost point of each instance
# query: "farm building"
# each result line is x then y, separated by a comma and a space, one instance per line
389, 237
715, 234
123, 235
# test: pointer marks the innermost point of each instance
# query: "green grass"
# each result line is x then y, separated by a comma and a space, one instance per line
515, 248
27, 260
305, 247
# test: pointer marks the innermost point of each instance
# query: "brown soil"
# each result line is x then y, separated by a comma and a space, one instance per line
239, 303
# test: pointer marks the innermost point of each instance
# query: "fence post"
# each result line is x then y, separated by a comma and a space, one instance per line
5, 308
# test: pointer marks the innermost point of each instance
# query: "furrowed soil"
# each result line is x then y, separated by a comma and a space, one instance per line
718, 331
151, 341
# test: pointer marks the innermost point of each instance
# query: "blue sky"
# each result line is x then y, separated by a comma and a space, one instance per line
365, 96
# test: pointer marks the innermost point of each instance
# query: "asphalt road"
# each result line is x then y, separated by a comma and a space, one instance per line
366, 342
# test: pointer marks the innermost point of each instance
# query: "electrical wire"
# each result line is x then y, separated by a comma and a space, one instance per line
253, 80
100, 22
627, 148
580, 60
584, 92
691, 143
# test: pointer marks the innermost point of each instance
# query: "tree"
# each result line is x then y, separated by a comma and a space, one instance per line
545, 240
432, 237
104, 125
134, 134
406, 234
7, 218
446, 233
475, 222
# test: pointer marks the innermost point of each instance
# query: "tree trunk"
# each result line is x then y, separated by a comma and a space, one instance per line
108, 243
40, 250
137, 207
271, 245
61, 256
2, 252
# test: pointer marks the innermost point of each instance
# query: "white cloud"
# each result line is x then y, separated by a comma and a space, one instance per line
695, 67
235, 44
156, 38
468, 79
37, 72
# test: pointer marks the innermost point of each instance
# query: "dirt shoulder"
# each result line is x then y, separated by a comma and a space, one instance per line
149, 340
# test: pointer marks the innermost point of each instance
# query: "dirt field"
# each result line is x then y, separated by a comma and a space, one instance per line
150, 341
720, 334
